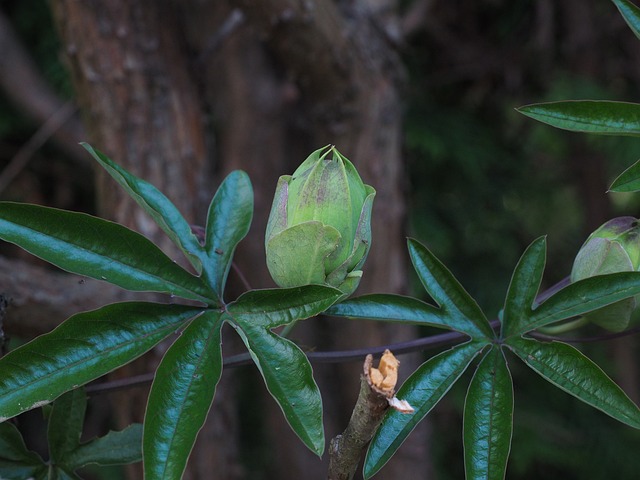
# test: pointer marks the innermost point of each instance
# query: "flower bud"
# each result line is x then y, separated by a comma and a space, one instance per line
612, 248
319, 229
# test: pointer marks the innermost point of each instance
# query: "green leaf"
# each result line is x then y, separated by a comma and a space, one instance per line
523, 288
581, 297
488, 419
284, 367
65, 424
97, 248
289, 378
83, 348
16, 461
423, 390
228, 222
590, 116
462, 312
271, 308
181, 396
631, 15
156, 204
115, 448
390, 308
571, 371
627, 181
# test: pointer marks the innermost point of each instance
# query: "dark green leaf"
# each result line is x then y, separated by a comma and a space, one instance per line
571, 371
462, 312
16, 461
156, 204
84, 347
390, 308
181, 396
65, 424
289, 379
284, 367
523, 288
423, 390
97, 248
115, 448
631, 15
228, 222
488, 419
280, 306
581, 297
628, 181
590, 116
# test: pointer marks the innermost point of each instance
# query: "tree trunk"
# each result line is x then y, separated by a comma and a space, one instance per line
175, 90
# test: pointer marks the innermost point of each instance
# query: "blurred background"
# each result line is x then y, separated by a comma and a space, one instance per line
419, 94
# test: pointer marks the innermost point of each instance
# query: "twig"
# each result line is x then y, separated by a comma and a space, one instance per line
46, 131
346, 450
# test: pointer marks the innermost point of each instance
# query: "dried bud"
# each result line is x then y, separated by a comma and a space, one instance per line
319, 229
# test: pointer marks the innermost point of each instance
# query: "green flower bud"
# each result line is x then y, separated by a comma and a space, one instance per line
319, 229
612, 248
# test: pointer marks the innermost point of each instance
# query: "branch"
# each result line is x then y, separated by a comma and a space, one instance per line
377, 389
33, 96
40, 298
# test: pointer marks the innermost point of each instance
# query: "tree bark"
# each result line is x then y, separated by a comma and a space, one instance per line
151, 75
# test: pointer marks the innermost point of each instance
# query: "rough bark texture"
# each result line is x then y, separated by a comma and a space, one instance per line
175, 90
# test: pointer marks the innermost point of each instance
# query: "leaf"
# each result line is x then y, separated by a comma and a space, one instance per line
462, 312
423, 390
157, 205
590, 116
181, 396
571, 371
524, 286
16, 461
228, 221
488, 419
581, 297
83, 348
284, 367
289, 378
627, 181
115, 448
65, 424
271, 308
97, 248
390, 308
631, 15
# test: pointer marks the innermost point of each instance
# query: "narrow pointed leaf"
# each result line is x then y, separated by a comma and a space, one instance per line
524, 286
462, 312
488, 419
156, 204
390, 308
96, 248
581, 297
631, 15
115, 448
288, 376
571, 371
280, 306
65, 424
590, 116
284, 367
423, 390
228, 222
17, 462
181, 396
83, 348
628, 181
